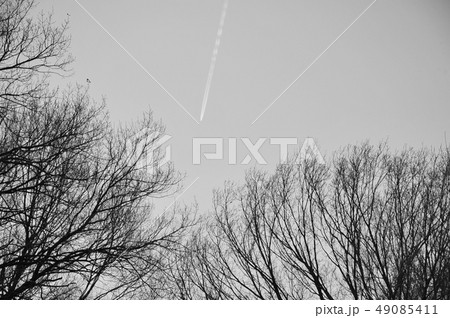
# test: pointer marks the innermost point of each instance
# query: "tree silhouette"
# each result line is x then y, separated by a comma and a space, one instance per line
31, 49
370, 225
75, 193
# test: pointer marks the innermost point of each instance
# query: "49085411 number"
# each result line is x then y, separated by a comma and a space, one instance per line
406, 309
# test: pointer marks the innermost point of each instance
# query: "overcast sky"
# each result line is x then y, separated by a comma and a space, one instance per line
386, 77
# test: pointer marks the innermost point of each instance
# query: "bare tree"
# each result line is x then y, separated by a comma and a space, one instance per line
30, 50
388, 224
75, 203
75, 193
370, 225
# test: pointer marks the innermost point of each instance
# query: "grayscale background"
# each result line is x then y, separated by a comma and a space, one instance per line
386, 78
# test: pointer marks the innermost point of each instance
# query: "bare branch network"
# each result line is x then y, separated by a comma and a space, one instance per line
371, 225
77, 220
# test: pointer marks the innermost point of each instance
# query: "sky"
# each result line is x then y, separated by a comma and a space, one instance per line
382, 75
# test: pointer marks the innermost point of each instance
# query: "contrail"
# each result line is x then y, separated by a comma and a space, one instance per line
313, 62
214, 58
